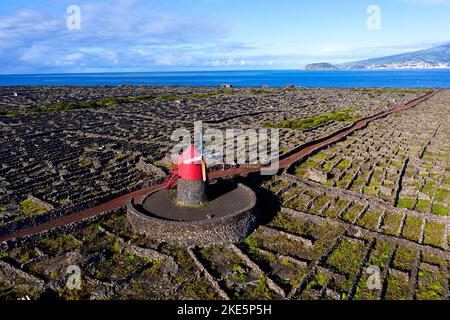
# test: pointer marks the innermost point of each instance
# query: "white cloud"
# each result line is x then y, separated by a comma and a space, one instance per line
112, 31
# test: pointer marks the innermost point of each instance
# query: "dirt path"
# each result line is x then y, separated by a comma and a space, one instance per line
283, 164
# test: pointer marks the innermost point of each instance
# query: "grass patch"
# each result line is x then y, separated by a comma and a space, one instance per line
412, 228
353, 212
343, 164
319, 203
262, 91
443, 195
434, 234
60, 245
397, 288
262, 291
84, 163
370, 220
345, 180
168, 97
404, 258
392, 223
239, 273
430, 285
380, 255
313, 122
30, 208
432, 259
429, 187
347, 257
13, 114
423, 205
334, 210
69, 106
117, 267
439, 210
406, 203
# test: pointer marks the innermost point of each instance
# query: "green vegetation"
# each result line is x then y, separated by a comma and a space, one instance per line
406, 203
279, 184
118, 224
345, 180
412, 228
262, 291
59, 245
392, 223
347, 257
298, 204
334, 210
289, 224
404, 258
380, 255
289, 194
168, 97
370, 220
429, 187
443, 195
302, 169
193, 96
262, 91
319, 203
69, 106
430, 285
30, 208
199, 289
344, 164
353, 212
434, 234
239, 273
317, 283
423, 205
432, 259
313, 122
117, 267
291, 274
392, 90
84, 163
262, 258
24, 253
447, 181
13, 114
397, 288
439, 210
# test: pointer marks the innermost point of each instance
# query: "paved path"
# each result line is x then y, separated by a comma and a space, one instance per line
283, 164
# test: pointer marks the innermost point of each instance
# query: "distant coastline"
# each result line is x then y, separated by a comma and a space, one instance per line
435, 58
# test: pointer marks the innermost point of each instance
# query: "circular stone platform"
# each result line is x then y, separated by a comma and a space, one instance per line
229, 216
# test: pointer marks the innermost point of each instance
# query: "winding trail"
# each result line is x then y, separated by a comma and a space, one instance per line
285, 163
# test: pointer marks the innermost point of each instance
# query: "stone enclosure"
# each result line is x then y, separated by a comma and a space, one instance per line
221, 225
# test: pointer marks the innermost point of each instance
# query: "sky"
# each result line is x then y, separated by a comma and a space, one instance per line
179, 35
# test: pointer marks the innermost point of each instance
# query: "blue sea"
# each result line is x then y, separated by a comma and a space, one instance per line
272, 78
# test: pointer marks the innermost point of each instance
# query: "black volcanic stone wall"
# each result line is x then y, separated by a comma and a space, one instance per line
191, 192
229, 229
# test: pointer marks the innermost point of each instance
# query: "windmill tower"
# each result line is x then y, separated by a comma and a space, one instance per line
191, 190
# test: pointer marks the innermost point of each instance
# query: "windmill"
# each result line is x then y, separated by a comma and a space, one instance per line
191, 164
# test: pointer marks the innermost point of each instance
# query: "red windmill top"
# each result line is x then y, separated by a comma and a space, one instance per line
190, 164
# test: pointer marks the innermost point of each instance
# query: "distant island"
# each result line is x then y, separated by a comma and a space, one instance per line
433, 58
321, 66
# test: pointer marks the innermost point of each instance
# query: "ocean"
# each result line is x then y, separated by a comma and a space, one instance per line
271, 78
